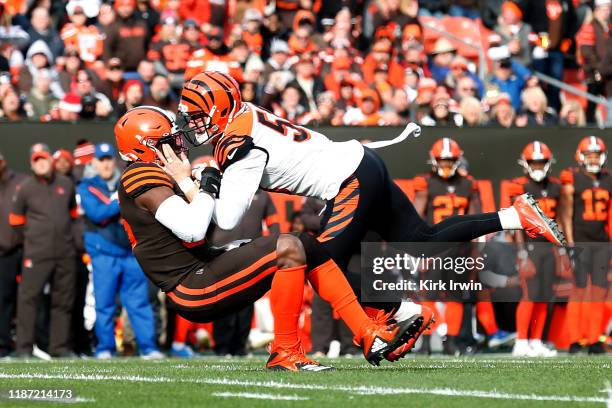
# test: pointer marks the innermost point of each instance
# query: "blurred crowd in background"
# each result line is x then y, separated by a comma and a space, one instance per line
315, 62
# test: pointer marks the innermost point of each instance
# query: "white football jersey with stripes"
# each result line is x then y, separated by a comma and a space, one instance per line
300, 161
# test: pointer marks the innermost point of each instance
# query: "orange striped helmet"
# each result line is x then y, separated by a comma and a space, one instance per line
591, 144
209, 102
536, 152
142, 130
445, 149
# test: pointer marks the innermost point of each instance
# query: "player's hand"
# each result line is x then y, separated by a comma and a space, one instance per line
526, 267
178, 168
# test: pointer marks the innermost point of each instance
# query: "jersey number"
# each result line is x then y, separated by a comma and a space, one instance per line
446, 206
284, 127
595, 204
548, 206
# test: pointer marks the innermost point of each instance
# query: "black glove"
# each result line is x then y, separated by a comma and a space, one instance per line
210, 181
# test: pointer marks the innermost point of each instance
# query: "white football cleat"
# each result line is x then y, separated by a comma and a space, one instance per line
522, 349
541, 350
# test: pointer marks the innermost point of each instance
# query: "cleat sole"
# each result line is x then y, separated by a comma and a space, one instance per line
408, 329
552, 225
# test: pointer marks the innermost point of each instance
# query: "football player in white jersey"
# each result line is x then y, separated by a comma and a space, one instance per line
255, 148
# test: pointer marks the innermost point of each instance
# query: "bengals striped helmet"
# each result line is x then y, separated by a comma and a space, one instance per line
536, 160
209, 102
444, 157
141, 132
591, 154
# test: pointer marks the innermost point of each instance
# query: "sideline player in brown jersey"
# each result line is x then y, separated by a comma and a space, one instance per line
444, 192
537, 260
585, 216
167, 224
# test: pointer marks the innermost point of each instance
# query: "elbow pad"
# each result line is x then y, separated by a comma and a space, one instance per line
188, 221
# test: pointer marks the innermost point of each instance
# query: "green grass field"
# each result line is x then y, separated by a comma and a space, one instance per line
414, 382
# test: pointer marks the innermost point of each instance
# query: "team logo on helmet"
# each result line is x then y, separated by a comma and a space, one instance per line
592, 154
444, 157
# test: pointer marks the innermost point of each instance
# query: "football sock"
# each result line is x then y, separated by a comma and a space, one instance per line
458, 228
406, 310
597, 312
486, 317
182, 327
509, 219
573, 314
453, 316
178, 345
286, 294
538, 320
330, 283
523, 319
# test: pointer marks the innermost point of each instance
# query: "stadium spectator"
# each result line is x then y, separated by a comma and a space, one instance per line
411, 83
215, 56
458, 71
367, 112
131, 97
290, 106
69, 108
68, 66
94, 105
512, 34
572, 114
40, 101
307, 82
112, 85
160, 94
605, 69
466, 88
591, 41
169, 52
127, 36
251, 34
43, 210
509, 77
440, 113
425, 92
145, 11
38, 58
502, 112
536, 108
11, 107
556, 23
78, 36
10, 255
106, 17
192, 35
441, 58
41, 29
472, 112
301, 41
115, 269
401, 105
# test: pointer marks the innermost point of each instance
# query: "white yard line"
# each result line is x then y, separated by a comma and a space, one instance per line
361, 390
252, 395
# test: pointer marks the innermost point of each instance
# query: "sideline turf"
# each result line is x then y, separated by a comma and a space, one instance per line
413, 382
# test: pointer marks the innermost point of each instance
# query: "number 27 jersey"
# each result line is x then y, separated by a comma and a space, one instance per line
300, 161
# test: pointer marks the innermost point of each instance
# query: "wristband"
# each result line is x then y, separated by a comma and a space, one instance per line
186, 185
210, 181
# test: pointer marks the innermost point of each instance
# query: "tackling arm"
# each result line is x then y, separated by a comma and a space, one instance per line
188, 221
240, 183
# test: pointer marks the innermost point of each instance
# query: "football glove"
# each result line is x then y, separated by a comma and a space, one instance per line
210, 181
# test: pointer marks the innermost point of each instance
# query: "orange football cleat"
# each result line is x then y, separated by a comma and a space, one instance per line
293, 359
402, 350
382, 337
535, 222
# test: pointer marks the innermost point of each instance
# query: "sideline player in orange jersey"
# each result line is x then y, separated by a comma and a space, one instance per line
167, 224
256, 148
586, 214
